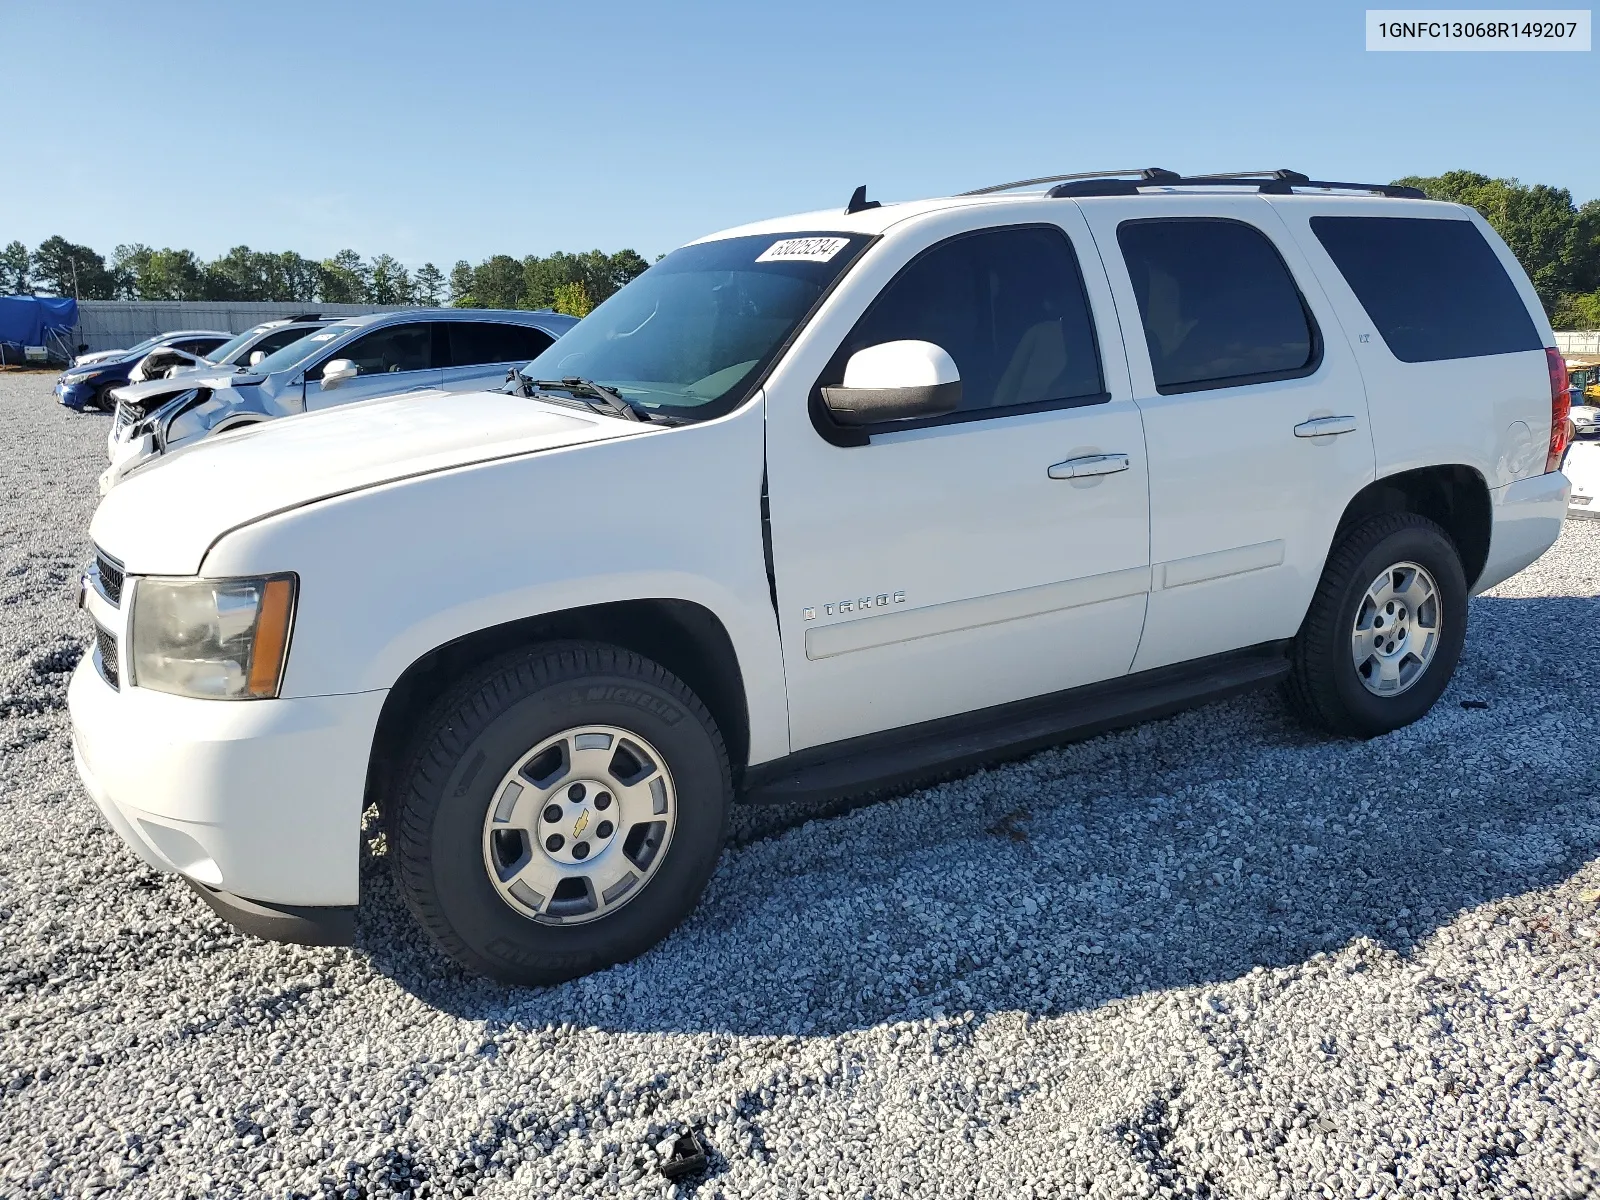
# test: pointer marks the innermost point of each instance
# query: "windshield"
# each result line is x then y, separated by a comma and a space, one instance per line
297, 352
145, 345
694, 332
234, 344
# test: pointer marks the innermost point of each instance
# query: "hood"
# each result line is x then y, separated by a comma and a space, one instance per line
152, 392
161, 520
99, 356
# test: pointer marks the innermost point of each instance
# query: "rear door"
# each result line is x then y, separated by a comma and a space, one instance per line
1254, 413
1449, 332
394, 358
476, 354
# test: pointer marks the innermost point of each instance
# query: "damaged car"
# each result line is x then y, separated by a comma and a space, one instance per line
351, 359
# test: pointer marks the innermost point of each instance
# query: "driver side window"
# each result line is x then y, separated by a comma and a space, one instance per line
386, 351
1008, 305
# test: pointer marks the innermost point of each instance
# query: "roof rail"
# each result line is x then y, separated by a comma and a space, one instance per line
1148, 174
1281, 182
303, 317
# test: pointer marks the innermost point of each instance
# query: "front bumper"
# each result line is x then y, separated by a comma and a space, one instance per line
77, 396
255, 798
126, 454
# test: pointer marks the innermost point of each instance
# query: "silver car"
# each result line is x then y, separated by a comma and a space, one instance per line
357, 358
166, 361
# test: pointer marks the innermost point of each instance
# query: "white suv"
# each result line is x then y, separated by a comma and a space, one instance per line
813, 506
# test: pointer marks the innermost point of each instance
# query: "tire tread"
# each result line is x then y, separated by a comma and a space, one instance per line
452, 725
1309, 687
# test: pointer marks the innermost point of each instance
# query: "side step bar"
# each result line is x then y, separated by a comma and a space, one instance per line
952, 745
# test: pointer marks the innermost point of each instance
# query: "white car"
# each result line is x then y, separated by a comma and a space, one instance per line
814, 506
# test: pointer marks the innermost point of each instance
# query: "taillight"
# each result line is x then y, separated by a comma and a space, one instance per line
1560, 410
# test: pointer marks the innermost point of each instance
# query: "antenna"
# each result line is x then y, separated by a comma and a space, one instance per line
859, 201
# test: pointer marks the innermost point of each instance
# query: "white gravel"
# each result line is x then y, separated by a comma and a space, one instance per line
1215, 956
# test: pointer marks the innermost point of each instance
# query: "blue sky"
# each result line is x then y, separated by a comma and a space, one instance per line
438, 132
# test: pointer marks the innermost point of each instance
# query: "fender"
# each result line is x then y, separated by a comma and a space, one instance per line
392, 572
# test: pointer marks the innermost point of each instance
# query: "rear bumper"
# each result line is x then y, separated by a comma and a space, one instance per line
1527, 518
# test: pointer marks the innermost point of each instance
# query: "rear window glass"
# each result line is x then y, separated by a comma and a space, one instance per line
1219, 307
1434, 288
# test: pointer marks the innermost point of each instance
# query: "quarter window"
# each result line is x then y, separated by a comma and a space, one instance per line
1219, 307
386, 351
1008, 305
473, 343
1433, 288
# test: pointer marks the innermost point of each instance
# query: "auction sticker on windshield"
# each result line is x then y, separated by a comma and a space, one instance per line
807, 249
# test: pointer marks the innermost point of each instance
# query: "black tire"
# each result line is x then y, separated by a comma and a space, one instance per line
477, 734
102, 399
1323, 686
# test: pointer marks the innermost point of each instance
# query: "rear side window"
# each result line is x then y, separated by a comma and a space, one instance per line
1219, 307
1008, 305
473, 343
1434, 288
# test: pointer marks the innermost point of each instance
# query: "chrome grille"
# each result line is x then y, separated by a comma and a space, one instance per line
110, 578
126, 416
105, 656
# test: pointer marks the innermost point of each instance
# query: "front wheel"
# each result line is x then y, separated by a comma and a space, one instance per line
564, 812
1384, 631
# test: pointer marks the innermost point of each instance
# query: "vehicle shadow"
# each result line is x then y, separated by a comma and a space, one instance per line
1180, 853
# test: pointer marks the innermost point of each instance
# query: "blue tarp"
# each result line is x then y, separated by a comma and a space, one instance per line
25, 319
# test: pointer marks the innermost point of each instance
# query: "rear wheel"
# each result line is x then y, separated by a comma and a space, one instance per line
1384, 630
564, 812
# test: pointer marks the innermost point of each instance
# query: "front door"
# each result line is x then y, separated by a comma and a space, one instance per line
947, 564
1254, 414
395, 358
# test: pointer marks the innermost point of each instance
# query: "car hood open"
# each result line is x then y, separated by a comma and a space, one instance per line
151, 392
162, 519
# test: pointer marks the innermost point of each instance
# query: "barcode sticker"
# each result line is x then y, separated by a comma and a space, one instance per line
811, 249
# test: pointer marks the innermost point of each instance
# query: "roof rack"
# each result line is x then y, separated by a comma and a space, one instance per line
1149, 174
303, 317
1282, 182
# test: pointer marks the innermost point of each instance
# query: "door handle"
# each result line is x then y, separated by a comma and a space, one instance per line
1093, 464
1325, 427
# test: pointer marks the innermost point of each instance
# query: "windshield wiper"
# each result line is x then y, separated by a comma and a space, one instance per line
598, 398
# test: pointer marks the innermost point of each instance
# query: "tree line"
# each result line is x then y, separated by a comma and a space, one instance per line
1557, 242
569, 283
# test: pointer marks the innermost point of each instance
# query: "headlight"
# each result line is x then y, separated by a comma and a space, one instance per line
215, 639
75, 376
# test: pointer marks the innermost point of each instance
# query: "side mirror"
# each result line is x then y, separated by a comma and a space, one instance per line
256, 356
337, 371
895, 381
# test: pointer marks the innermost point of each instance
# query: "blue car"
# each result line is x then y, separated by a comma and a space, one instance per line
87, 383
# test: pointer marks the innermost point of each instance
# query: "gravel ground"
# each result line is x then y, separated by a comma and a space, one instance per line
1214, 956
